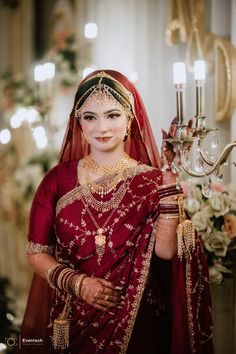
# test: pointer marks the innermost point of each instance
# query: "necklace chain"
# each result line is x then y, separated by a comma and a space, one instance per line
102, 170
100, 237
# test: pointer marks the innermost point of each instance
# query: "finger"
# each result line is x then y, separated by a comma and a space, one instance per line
111, 292
112, 298
164, 134
174, 121
100, 307
108, 304
107, 284
190, 123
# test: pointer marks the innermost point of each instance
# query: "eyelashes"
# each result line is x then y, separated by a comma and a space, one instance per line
110, 116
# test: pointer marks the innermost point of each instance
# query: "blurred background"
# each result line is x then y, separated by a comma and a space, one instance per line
47, 47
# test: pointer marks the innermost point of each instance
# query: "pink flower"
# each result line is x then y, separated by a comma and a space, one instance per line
216, 187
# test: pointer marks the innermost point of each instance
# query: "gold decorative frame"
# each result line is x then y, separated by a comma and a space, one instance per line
187, 24
225, 79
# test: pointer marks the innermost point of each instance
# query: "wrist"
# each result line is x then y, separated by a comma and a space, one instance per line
169, 177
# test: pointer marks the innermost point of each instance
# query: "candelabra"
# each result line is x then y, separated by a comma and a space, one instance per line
186, 136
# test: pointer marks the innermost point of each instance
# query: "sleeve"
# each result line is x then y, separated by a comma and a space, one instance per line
155, 182
41, 236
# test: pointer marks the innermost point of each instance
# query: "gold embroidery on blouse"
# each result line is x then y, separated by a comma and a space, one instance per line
80, 191
33, 248
140, 288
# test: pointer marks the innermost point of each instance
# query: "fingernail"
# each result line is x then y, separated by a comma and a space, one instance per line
122, 303
119, 288
111, 313
123, 297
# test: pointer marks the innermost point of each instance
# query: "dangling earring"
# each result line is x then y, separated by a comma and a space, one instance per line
127, 134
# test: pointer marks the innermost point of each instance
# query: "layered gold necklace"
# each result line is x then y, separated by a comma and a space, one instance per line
110, 175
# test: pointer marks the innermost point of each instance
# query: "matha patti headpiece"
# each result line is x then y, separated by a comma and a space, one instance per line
102, 91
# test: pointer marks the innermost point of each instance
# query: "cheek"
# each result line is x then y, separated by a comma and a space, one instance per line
86, 127
120, 127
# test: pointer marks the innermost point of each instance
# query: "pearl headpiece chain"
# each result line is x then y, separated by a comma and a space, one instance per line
102, 91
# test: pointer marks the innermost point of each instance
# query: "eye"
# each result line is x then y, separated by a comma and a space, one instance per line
113, 115
89, 117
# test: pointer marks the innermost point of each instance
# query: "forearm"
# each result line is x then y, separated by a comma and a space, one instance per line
166, 241
41, 263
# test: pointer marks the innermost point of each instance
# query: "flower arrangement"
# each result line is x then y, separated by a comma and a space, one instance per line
15, 90
215, 221
63, 52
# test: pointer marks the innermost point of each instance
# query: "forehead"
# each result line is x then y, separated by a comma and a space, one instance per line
100, 102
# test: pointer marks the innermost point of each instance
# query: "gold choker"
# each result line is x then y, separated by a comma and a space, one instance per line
104, 170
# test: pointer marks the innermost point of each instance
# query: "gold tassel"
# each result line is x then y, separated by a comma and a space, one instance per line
185, 239
61, 328
185, 233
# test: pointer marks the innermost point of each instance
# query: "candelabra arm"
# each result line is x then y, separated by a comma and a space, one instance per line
203, 156
219, 161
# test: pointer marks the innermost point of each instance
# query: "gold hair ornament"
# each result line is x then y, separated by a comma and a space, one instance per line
102, 88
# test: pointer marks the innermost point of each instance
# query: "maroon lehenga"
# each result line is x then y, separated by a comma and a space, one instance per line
167, 304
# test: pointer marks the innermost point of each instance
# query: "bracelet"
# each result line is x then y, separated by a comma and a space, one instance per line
172, 198
169, 216
165, 186
168, 201
78, 284
51, 274
63, 278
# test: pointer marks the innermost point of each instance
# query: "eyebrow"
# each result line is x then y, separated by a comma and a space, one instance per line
109, 111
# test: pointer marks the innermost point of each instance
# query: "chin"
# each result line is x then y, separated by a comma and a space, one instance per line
110, 146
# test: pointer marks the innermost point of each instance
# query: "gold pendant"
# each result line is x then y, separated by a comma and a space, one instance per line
100, 241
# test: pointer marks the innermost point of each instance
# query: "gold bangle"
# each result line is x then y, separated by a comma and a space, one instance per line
173, 197
78, 284
167, 202
169, 216
163, 186
49, 274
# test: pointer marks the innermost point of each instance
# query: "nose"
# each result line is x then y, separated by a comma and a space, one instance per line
103, 125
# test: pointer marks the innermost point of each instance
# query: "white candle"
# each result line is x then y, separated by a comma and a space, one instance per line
179, 72
199, 70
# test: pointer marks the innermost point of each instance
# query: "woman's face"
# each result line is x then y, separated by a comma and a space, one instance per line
104, 122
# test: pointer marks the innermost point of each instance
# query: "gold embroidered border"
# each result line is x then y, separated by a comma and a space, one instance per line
189, 306
77, 192
140, 289
33, 248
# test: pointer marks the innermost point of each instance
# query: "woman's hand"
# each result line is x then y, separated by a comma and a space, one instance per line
101, 293
169, 158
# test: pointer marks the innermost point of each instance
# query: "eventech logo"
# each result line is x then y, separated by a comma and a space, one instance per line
21, 341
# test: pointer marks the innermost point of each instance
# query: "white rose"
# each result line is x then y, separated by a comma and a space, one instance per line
215, 273
220, 203
197, 193
192, 205
200, 221
217, 243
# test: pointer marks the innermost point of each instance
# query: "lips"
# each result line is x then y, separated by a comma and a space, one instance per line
103, 139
